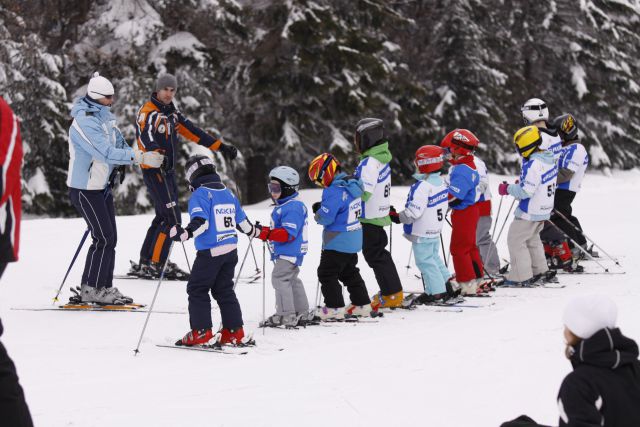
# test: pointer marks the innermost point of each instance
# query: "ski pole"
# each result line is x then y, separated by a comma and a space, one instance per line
584, 251
153, 301
317, 300
409, 260
446, 261
264, 280
505, 221
73, 260
255, 262
235, 282
493, 233
590, 239
175, 216
391, 239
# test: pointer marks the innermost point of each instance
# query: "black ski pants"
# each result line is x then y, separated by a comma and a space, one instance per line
13, 407
562, 203
374, 243
336, 267
96, 207
155, 247
213, 274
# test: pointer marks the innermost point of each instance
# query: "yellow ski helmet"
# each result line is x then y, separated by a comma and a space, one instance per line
527, 139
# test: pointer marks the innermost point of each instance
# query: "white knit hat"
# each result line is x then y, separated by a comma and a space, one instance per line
586, 315
99, 87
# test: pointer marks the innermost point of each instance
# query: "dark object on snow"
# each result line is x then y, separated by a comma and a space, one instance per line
521, 421
604, 387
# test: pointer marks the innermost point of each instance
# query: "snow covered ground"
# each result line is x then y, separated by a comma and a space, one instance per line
476, 368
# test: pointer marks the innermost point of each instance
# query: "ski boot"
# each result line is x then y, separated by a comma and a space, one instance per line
173, 272
289, 321
470, 288
103, 296
196, 337
453, 288
234, 337
529, 283
327, 314
574, 268
558, 254
386, 301
549, 276
360, 311
308, 318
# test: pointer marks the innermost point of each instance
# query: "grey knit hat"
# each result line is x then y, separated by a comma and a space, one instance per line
166, 80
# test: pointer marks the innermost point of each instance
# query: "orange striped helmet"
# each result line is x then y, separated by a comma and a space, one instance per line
323, 169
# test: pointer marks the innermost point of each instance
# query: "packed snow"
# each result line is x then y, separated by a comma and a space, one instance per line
420, 367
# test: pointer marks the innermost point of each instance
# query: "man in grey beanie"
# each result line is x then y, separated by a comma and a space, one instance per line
158, 125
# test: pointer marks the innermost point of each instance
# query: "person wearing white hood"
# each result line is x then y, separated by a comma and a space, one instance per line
604, 388
95, 147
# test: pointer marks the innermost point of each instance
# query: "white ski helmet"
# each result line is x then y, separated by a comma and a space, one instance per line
99, 87
287, 177
534, 110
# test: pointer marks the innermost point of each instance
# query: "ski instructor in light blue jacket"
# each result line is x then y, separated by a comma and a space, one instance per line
96, 147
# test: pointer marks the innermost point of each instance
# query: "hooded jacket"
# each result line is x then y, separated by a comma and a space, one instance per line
95, 146
339, 213
375, 173
604, 387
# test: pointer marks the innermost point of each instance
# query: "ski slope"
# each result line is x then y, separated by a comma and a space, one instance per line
475, 368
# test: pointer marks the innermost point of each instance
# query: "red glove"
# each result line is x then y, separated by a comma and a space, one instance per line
261, 232
275, 235
502, 189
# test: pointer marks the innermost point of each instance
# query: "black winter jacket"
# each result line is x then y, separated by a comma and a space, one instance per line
604, 387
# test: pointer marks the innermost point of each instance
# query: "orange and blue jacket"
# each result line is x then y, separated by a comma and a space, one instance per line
158, 127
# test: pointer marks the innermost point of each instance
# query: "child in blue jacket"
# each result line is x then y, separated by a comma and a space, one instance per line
288, 243
215, 215
339, 213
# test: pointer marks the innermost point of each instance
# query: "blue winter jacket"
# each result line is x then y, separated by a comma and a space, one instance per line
339, 212
95, 146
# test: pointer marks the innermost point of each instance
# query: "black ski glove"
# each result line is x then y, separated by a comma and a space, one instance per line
393, 214
316, 207
228, 151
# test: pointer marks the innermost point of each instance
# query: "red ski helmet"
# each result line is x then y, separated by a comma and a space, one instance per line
460, 141
429, 158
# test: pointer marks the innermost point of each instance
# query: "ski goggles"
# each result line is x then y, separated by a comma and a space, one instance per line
538, 107
274, 187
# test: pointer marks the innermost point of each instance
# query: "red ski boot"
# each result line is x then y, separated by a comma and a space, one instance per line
234, 337
196, 337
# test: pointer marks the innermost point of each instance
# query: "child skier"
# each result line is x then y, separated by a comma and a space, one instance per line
463, 183
214, 212
573, 163
375, 174
339, 213
423, 217
535, 113
287, 237
484, 241
535, 192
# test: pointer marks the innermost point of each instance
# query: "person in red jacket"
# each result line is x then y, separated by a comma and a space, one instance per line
13, 407
463, 184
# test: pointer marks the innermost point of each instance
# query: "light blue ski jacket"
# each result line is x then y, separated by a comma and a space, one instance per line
95, 146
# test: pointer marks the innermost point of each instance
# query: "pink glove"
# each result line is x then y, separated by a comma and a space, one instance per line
502, 189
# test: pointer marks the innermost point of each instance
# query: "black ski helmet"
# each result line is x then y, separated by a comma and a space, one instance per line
567, 127
198, 166
369, 133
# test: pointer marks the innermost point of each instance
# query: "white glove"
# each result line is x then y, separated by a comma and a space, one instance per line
148, 158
